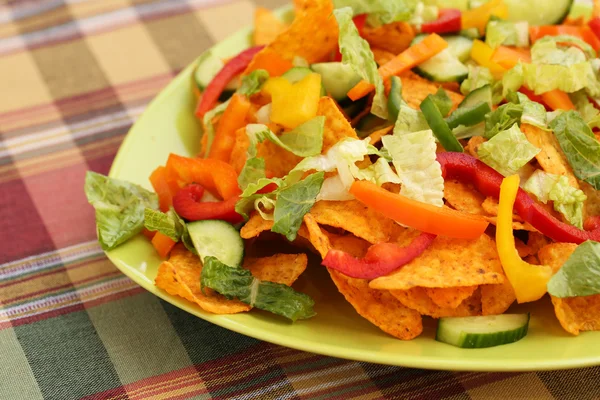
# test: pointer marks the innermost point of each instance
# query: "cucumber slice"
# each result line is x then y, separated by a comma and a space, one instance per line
443, 67
482, 94
470, 33
460, 47
479, 332
208, 66
296, 74
538, 12
337, 78
219, 239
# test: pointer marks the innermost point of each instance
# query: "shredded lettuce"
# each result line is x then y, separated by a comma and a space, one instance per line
414, 157
379, 173
589, 113
502, 119
357, 53
333, 189
533, 113
507, 33
442, 101
169, 224
512, 80
119, 206
579, 274
252, 83
547, 50
478, 77
381, 12
507, 151
410, 120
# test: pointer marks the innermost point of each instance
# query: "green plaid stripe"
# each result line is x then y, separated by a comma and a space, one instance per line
71, 326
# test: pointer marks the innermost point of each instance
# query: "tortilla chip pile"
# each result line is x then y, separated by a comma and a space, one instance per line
452, 278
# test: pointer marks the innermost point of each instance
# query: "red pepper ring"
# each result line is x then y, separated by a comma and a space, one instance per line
381, 258
234, 67
485, 179
186, 203
449, 20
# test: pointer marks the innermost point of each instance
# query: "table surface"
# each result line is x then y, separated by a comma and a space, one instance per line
74, 76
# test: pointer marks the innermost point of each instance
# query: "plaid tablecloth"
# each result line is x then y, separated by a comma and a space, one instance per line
74, 76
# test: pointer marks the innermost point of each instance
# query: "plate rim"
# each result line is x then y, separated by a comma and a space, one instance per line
228, 322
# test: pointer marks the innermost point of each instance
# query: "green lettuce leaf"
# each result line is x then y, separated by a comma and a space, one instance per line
119, 208
253, 82
293, 202
502, 119
507, 151
498, 33
379, 173
567, 200
410, 120
414, 157
543, 78
580, 274
252, 172
589, 113
512, 80
237, 282
579, 145
478, 77
533, 113
547, 50
442, 101
169, 224
380, 12
357, 53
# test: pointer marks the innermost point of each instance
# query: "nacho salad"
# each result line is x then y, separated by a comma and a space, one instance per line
441, 159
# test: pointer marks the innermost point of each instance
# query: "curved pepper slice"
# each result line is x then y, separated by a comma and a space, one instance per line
529, 281
381, 259
469, 169
421, 216
449, 20
234, 67
187, 204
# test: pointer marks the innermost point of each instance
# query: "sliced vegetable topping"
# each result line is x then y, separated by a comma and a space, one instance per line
439, 126
480, 332
187, 204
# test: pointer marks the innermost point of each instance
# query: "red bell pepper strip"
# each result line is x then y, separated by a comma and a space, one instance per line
359, 22
594, 25
381, 259
469, 169
449, 20
187, 204
234, 67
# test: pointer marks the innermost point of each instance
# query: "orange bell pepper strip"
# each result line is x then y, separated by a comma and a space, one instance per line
163, 244
529, 281
482, 54
508, 57
582, 32
479, 17
232, 119
159, 182
421, 216
216, 176
409, 58
269, 60
557, 100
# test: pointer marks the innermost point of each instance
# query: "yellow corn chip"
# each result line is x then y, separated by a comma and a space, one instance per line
278, 161
496, 299
280, 268
180, 276
556, 254
519, 226
592, 204
415, 89
376, 136
379, 307
382, 56
463, 197
354, 217
313, 35
255, 226
490, 205
303, 6
551, 158
450, 297
322, 240
394, 37
337, 126
577, 314
448, 262
473, 145
417, 299
316, 236
266, 26
536, 241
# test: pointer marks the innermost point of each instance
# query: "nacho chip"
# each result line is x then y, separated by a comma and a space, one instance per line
473, 145
313, 35
463, 197
240, 150
551, 158
536, 241
448, 262
577, 314
337, 126
280, 268
180, 276
278, 161
417, 299
490, 205
496, 299
379, 307
518, 226
556, 254
381, 56
316, 236
255, 226
266, 26
415, 89
376, 136
592, 204
354, 217
394, 37
450, 297
303, 6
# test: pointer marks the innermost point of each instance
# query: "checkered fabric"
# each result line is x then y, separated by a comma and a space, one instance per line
74, 76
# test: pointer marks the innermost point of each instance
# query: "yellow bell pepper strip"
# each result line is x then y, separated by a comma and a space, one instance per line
529, 281
479, 17
483, 55
293, 103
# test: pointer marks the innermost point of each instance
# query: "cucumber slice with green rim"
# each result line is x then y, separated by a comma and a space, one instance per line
470, 33
296, 74
460, 47
219, 239
443, 67
479, 332
337, 78
482, 94
538, 12
209, 66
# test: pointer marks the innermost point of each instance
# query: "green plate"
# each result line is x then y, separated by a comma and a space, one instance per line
168, 125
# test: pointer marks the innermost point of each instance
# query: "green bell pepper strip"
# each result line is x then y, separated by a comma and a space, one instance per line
468, 116
439, 126
395, 99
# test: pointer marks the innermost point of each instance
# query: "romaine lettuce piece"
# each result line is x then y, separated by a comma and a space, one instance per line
579, 275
